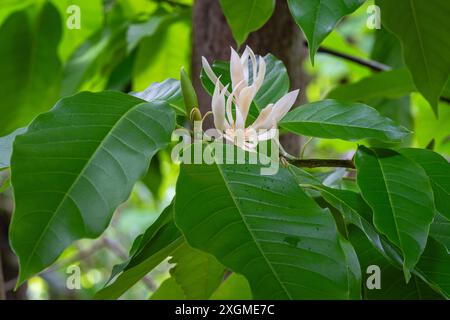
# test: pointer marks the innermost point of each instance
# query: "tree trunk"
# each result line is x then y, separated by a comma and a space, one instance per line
280, 36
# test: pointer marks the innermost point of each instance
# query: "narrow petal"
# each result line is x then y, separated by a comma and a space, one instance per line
264, 120
244, 62
254, 63
284, 105
229, 109
261, 73
237, 72
245, 99
209, 71
240, 124
218, 108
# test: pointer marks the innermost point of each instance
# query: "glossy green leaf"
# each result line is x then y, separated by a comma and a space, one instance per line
75, 165
317, 18
198, 273
438, 170
6, 144
422, 27
400, 195
30, 68
168, 91
235, 287
264, 227
358, 213
348, 121
246, 16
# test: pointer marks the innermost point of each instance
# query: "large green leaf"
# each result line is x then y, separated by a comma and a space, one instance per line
266, 228
349, 121
198, 273
75, 165
317, 18
400, 194
246, 16
422, 27
30, 68
6, 144
358, 213
438, 170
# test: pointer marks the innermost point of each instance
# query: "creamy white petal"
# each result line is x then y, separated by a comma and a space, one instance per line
264, 120
237, 72
208, 70
283, 105
229, 109
244, 62
245, 99
218, 108
254, 63
261, 73
240, 122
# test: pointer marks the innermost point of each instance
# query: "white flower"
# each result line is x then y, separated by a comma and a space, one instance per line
242, 94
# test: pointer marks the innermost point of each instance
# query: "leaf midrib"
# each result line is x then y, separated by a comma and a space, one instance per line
249, 231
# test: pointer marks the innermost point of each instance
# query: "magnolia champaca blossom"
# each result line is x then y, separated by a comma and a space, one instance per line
242, 94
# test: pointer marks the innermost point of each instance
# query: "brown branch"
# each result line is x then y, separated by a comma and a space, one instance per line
317, 163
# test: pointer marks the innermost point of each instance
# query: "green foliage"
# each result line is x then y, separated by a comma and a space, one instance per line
231, 230
399, 192
318, 18
421, 27
75, 165
198, 274
245, 16
264, 228
348, 121
30, 67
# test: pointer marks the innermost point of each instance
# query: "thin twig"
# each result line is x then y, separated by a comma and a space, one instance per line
317, 163
372, 64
